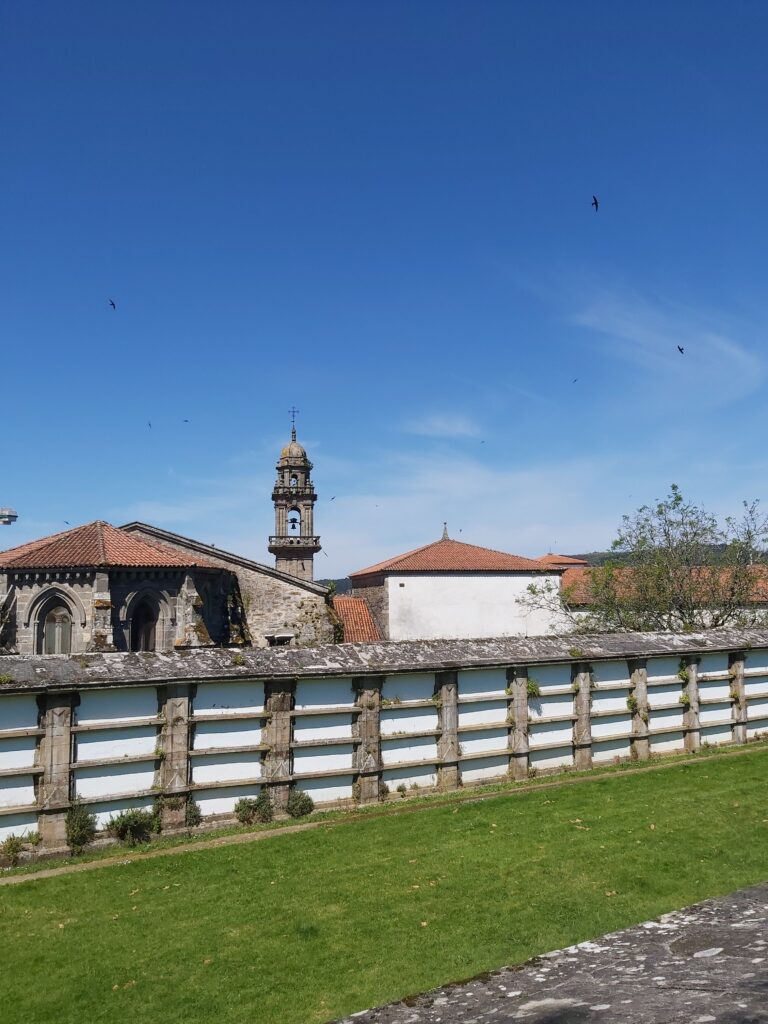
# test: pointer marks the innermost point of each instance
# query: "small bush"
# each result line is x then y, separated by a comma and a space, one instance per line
402, 789
300, 804
79, 826
192, 815
250, 809
33, 838
134, 826
11, 848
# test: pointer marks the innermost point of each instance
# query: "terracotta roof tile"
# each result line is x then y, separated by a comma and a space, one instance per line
356, 618
577, 582
564, 561
94, 545
454, 556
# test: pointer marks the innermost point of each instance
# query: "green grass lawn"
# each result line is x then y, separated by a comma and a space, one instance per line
311, 926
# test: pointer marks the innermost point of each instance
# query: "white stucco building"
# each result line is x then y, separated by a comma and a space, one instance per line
450, 589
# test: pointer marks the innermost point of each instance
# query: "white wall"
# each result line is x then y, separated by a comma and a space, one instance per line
428, 607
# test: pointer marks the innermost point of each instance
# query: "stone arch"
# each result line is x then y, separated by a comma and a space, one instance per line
162, 605
48, 596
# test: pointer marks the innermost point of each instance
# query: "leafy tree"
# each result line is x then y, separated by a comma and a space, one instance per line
675, 567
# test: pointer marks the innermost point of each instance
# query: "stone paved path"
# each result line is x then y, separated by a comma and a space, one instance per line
707, 964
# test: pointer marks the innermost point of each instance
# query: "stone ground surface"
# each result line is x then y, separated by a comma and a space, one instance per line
707, 964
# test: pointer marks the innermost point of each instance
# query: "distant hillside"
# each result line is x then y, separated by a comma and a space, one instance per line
342, 586
620, 558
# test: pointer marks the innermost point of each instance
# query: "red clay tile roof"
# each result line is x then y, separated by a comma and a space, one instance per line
577, 582
356, 618
454, 556
95, 544
563, 561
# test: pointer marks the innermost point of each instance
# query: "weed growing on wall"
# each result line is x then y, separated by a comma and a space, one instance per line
79, 826
299, 804
632, 704
249, 809
532, 687
11, 849
133, 826
192, 815
402, 789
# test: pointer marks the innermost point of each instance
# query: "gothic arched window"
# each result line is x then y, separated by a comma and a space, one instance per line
56, 633
143, 627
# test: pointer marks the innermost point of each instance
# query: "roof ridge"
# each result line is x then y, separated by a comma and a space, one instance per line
100, 540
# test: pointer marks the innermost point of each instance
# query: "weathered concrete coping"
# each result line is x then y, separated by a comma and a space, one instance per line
55, 672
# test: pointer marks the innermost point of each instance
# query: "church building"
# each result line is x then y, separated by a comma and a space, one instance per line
141, 588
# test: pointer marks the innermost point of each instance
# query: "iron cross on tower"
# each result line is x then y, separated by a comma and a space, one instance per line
293, 412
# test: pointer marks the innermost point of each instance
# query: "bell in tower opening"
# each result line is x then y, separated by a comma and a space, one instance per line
294, 543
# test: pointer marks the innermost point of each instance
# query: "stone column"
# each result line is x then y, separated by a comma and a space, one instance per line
447, 700
640, 746
191, 630
278, 733
692, 740
102, 636
517, 718
55, 759
367, 733
738, 696
174, 743
581, 681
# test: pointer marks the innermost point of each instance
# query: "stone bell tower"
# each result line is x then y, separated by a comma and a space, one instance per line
294, 543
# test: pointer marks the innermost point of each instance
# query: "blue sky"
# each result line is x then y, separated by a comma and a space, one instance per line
380, 212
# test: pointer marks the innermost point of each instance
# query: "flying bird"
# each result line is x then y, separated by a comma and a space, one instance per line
681, 350
112, 304
66, 522
333, 498
185, 421
575, 379
149, 424
595, 203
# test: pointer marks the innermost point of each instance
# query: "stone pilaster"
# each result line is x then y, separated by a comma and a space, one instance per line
55, 759
278, 733
690, 695
191, 630
517, 719
102, 635
366, 731
174, 744
640, 746
581, 681
447, 700
738, 697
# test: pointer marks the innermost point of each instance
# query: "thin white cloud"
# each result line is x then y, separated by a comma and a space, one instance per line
717, 366
442, 425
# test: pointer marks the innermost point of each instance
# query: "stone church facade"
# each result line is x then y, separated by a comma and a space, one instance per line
141, 588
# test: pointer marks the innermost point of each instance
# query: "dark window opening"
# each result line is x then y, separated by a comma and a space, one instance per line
143, 627
57, 631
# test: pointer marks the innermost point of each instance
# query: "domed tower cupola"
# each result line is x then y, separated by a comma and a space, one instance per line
294, 543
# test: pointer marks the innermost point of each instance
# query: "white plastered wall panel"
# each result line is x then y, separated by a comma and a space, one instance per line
484, 712
555, 757
612, 683
483, 682
17, 791
757, 727
95, 782
550, 677
414, 777
222, 801
329, 790
17, 825
395, 751
399, 719
322, 727
612, 726
483, 741
240, 733
226, 767
17, 752
324, 693
471, 605
549, 733
130, 741
18, 712
121, 704
322, 759
557, 706
609, 750
409, 686
229, 698
479, 769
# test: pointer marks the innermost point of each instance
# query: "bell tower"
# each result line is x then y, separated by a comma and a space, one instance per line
294, 543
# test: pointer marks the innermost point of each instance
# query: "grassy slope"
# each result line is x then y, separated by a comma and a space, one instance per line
311, 926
